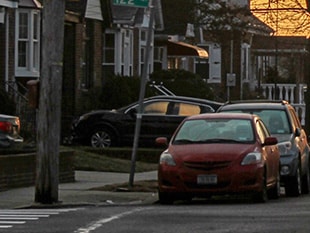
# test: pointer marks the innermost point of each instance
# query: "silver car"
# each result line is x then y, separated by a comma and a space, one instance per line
283, 123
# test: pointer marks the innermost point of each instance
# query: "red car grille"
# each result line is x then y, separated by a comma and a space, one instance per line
207, 166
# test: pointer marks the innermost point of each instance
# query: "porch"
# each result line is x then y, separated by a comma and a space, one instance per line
293, 93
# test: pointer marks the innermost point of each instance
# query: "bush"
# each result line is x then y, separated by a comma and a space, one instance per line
182, 82
119, 91
7, 105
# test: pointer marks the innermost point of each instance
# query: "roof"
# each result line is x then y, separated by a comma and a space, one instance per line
280, 43
30, 4
9, 3
135, 15
90, 9
114, 14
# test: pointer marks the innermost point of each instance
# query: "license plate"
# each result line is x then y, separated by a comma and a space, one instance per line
207, 179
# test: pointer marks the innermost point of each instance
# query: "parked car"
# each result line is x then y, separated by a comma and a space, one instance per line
9, 130
282, 121
212, 154
161, 116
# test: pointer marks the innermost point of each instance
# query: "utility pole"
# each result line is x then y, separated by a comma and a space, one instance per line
141, 94
49, 112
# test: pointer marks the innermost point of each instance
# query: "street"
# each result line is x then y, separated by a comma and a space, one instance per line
286, 215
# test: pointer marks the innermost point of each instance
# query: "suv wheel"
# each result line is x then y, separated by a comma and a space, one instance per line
305, 182
102, 138
262, 196
293, 186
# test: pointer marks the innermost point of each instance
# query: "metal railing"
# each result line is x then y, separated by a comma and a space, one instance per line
294, 93
18, 92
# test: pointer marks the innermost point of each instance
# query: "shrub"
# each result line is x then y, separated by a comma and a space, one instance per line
119, 91
7, 105
182, 82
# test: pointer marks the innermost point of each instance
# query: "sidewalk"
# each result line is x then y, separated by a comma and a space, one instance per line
79, 193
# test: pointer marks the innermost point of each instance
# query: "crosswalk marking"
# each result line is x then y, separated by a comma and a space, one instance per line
11, 217
12, 222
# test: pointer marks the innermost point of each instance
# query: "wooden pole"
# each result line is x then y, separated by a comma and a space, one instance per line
49, 112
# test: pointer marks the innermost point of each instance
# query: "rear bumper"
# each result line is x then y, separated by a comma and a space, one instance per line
7, 140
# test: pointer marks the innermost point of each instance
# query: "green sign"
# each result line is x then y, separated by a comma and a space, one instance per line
134, 3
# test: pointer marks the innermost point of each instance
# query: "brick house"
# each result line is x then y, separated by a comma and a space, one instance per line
102, 39
20, 37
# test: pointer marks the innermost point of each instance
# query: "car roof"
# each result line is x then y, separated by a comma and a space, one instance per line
259, 104
222, 115
215, 105
184, 98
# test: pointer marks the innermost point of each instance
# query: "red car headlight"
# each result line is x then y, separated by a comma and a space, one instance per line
167, 159
252, 158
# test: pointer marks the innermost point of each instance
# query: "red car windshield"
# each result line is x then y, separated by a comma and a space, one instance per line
215, 131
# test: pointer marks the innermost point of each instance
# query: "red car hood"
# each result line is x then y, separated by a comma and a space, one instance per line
210, 152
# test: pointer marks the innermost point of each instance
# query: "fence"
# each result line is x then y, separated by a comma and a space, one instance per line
294, 93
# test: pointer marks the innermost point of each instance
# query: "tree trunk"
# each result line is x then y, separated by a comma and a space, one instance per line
49, 112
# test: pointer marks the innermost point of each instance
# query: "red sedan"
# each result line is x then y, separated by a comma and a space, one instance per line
219, 153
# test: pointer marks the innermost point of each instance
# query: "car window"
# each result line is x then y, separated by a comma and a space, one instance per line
188, 109
215, 130
156, 108
261, 130
276, 121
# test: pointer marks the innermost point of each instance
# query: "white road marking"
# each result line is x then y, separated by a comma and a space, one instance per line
95, 225
11, 217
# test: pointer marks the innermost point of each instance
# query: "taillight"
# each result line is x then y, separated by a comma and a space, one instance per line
6, 126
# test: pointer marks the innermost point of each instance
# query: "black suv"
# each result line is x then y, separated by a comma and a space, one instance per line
161, 116
283, 123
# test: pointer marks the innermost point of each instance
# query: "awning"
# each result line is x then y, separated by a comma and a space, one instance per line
177, 48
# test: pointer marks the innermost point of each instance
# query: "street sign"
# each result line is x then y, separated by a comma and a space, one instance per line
133, 3
230, 80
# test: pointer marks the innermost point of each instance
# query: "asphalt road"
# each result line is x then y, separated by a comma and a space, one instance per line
286, 215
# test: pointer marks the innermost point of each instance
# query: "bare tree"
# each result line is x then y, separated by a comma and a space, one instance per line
217, 17
286, 17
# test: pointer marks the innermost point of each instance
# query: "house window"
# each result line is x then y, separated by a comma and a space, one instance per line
109, 53
158, 54
108, 48
127, 52
143, 47
159, 58
27, 43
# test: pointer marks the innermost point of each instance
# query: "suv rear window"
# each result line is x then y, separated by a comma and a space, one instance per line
276, 120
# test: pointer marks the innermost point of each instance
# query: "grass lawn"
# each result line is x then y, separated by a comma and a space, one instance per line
90, 161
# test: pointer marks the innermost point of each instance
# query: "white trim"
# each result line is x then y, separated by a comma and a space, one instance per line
31, 69
6, 69
93, 10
